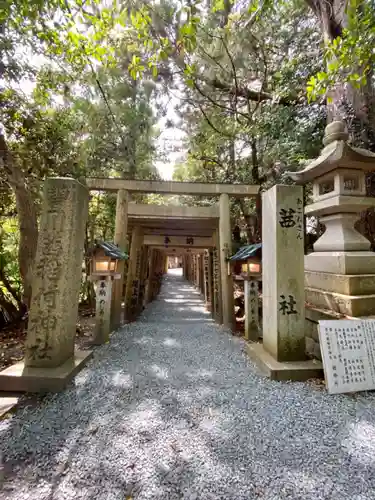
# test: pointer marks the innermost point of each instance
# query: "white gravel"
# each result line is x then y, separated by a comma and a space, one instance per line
173, 409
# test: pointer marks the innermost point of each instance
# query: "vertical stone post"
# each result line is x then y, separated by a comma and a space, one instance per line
251, 297
197, 271
166, 264
211, 279
201, 273
134, 267
194, 269
121, 230
225, 239
57, 274
104, 288
151, 272
184, 266
217, 309
143, 278
207, 278
283, 275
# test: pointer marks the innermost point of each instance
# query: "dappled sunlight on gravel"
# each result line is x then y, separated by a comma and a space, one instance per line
172, 409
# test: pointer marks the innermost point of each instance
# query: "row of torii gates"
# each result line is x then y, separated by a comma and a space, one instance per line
339, 272
201, 235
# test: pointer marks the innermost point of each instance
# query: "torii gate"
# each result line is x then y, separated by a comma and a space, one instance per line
50, 359
155, 226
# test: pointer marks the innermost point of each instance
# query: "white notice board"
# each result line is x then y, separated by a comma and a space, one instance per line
348, 353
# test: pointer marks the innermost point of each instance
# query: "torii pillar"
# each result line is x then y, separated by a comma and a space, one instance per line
121, 229
133, 277
225, 241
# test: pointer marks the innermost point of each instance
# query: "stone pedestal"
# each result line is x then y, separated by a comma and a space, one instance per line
103, 310
56, 286
251, 300
121, 230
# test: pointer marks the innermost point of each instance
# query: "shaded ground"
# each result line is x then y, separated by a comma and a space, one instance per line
172, 408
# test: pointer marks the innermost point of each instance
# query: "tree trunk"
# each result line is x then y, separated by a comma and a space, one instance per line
11, 290
354, 106
9, 310
27, 219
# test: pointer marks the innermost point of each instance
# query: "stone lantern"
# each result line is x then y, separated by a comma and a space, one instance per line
105, 257
340, 272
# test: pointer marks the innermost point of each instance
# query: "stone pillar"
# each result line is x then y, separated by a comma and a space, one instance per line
184, 270
134, 268
251, 299
103, 310
225, 240
150, 278
199, 272
121, 230
207, 278
193, 269
166, 264
57, 274
283, 274
217, 303
143, 278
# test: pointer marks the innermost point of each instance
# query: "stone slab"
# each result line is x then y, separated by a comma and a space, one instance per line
18, 378
347, 284
341, 262
277, 370
348, 350
348, 305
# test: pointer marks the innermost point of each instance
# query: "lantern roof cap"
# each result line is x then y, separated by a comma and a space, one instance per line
110, 250
246, 252
337, 153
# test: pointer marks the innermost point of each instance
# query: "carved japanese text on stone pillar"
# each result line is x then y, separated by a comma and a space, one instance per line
283, 273
57, 273
206, 269
216, 278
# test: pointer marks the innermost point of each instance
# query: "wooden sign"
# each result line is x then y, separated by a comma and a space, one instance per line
348, 353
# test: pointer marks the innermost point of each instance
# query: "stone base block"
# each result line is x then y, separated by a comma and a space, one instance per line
18, 378
347, 284
7, 403
348, 305
341, 262
276, 370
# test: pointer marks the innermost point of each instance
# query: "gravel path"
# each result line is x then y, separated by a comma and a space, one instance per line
173, 409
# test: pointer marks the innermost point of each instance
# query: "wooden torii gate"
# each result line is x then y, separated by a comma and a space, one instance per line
202, 236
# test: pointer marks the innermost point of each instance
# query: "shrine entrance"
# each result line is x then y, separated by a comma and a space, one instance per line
200, 236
